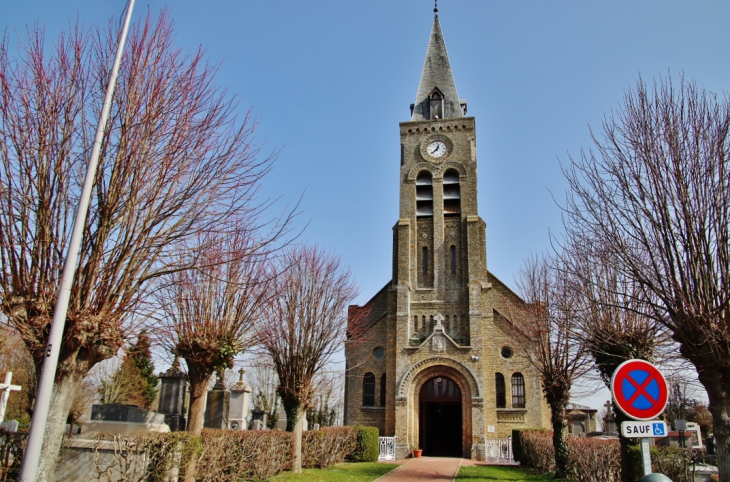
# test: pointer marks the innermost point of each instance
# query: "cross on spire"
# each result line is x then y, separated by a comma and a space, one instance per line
435, 6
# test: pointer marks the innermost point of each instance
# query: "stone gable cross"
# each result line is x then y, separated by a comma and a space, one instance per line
6, 389
439, 319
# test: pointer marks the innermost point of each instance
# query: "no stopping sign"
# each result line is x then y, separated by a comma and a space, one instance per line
639, 390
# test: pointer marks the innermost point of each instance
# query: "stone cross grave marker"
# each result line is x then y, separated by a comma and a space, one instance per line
6, 389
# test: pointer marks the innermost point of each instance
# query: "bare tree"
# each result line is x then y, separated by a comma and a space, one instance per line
613, 324
656, 191
175, 161
548, 323
210, 310
304, 327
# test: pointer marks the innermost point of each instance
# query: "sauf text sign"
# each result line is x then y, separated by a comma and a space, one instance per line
656, 428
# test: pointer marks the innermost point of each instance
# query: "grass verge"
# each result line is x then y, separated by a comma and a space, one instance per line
355, 472
493, 473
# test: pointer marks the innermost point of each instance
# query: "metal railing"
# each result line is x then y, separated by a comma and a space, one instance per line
498, 448
387, 448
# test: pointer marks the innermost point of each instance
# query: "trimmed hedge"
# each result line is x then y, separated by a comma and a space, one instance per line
227, 455
232, 455
517, 452
328, 446
368, 447
589, 460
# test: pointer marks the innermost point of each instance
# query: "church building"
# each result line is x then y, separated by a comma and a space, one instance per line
434, 357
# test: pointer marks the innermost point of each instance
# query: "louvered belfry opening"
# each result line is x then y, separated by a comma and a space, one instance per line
452, 193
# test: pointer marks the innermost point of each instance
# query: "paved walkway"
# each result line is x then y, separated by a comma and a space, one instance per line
425, 468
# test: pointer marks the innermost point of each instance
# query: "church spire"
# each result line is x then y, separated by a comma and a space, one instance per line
437, 97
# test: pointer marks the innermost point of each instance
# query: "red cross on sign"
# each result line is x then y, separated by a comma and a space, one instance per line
639, 390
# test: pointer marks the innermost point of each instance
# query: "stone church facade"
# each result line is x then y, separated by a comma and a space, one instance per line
434, 357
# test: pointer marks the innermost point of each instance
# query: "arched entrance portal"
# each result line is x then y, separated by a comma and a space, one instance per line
440, 416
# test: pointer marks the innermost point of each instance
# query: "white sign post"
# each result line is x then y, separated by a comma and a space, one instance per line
6, 389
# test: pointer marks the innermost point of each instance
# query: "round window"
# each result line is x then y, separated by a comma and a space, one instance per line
379, 353
506, 352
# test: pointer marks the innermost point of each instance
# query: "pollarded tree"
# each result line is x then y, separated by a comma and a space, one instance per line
656, 191
304, 326
210, 310
613, 322
548, 324
175, 161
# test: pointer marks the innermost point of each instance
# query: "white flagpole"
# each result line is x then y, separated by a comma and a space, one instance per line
32, 455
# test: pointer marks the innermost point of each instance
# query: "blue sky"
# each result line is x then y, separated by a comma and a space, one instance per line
331, 80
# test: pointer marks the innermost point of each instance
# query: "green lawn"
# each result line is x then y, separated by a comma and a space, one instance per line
360, 472
498, 474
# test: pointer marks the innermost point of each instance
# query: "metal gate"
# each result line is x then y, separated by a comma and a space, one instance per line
499, 449
387, 448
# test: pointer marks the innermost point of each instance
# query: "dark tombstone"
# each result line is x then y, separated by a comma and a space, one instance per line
258, 414
216, 409
710, 442
117, 412
173, 385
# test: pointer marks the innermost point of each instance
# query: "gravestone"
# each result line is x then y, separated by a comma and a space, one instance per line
258, 415
6, 388
116, 417
172, 397
281, 421
609, 423
9, 426
239, 407
257, 425
218, 405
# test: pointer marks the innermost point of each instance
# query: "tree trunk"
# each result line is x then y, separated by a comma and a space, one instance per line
718, 391
560, 434
295, 424
197, 412
198, 377
62, 398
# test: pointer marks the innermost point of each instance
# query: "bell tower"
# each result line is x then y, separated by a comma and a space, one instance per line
439, 245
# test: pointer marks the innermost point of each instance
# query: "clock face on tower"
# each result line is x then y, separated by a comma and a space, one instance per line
436, 148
